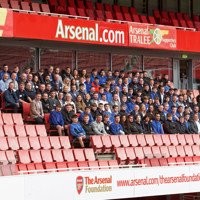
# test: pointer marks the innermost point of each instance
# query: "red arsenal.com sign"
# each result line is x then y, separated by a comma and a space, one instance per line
154, 37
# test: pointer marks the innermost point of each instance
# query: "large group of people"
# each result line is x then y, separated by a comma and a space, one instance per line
102, 103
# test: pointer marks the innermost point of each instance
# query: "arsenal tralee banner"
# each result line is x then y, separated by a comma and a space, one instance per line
154, 37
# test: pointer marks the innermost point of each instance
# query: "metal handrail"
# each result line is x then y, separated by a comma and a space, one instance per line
183, 163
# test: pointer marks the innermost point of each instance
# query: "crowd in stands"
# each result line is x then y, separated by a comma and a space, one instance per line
102, 102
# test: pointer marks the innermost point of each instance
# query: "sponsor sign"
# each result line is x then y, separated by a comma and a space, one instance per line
154, 37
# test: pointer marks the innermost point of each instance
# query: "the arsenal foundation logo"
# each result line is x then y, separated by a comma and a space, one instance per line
79, 184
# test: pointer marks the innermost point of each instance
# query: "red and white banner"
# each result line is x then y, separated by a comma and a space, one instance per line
154, 37
69, 30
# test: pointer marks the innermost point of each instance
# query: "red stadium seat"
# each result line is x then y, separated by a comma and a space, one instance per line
113, 164
17, 119
39, 166
147, 152
30, 130
46, 155
173, 139
180, 151
175, 22
79, 155
127, 17
130, 155
164, 151
35, 156
146, 162
133, 11
196, 150
119, 16
124, 9
57, 155
11, 156
89, 5
179, 16
96, 144
27, 106
30, 167
115, 141
34, 143
124, 140
196, 159
4, 5
13, 143
9, 130
190, 24
107, 145
172, 151
23, 156
7, 118
166, 140
141, 140
45, 8
72, 11
80, 4
20, 130
171, 161
3, 144
61, 165
44, 142
157, 139
150, 140
196, 139
186, 17
41, 130
93, 164
116, 8
68, 155
35, 7
73, 165
23, 143
83, 165
156, 152
14, 5
133, 140
154, 162
157, 16
151, 20
143, 19
55, 142
180, 161
181, 139
100, 14
163, 161
3, 157
99, 6
22, 167
136, 18
172, 15
195, 18
25, 6
1, 131
89, 155
121, 156
64, 142
108, 7
139, 152
91, 14
81, 12
189, 139
50, 167
188, 151
182, 23
103, 164
188, 160
109, 15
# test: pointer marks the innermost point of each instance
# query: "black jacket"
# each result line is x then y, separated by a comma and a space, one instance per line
67, 116
126, 129
135, 128
162, 116
52, 103
94, 113
193, 129
181, 128
87, 128
170, 127
45, 106
147, 128
107, 128
134, 86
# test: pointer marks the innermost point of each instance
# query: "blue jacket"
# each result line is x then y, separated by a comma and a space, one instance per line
56, 118
53, 83
88, 86
115, 128
102, 80
74, 128
157, 127
173, 117
10, 97
112, 117
80, 119
2, 73
92, 78
131, 106
109, 96
153, 95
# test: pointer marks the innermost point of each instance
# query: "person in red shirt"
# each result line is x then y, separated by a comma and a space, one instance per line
96, 84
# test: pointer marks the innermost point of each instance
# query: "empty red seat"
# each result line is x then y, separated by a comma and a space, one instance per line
10, 156
179, 16
172, 15
108, 15
189, 139
34, 143
196, 139
154, 162
46, 155
83, 165
103, 164
39, 166
116, 8
35, 156
30, 130
68, 155
181, 139
100, 14
156, 152
115, 141
14, 5
143, 19
190, 24
186, 17
23, 143
22, 168
147, 152
180, 151
196, 150
196, 159
80, 4
71, 3
175, 22
40, 130
136, 18
172, 151
188, 160
35, 7
99, 6
25, 6
1, 120
73, 166
139, 152
130, 154
165, 15
96, 143
188, 151
81, 12
89, 5
171, 161
195, 18
57, 155
180, 161
20, 130
107, 145
1, 131
9, 130
133, 140
3, 157
119, 16
61, 165
157, 16
182, 23
113, 164
45, 8
44, 142
72, 11
23, 156
89, 155
121, 156
91, 14
145, 162
124, 9
124, 140
133, 11
107, 7
13, 143
173, 139
55, 142
141, 140
93, 164
4, 5
163, 161
64, 142
79, 155
150, 140
30, 167
17, 118
3, 144
158, 139
51, 167
127, 17
164, 151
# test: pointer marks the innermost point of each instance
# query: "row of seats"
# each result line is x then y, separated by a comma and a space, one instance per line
11, 119
130, 155
27, 143
107, 143
7, 157
7, 170
22, 130
55, 155
82, 165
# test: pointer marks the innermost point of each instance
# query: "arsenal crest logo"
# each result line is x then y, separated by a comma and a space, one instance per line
79, 184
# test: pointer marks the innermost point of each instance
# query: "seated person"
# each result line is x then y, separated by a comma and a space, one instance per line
123, 110
36, 111
107, 123
170, 126
52, 100
80, 105
107, 110
156, 124
30, 94
125, 124
100, 109
77, 131
114, 113
21, 95
116, 127
137, 126
146, 124
56, 120
87, 111
67, 114
86, 126
194, 125
181, 126
10, 98
98, 126
94, 110
45, 103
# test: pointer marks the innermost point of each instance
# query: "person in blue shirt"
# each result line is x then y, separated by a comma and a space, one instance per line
146, 102
56, 120
132, 104
154, 93
87, 84
109, 96
156, 125
77, 131
175, 117
186, 118
167, 86
56, 81
4, 71
115, 127
93, 75
87, 112
102, 77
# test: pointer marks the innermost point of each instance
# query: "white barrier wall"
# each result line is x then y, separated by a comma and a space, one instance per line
102, 184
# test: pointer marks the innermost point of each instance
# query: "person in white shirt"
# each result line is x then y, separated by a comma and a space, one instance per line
103, 100
13, 79
196, 120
